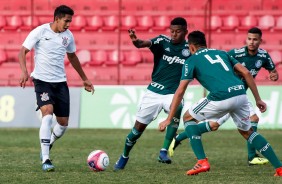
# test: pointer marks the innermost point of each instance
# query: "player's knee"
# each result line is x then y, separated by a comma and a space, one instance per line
214, 126
254, 118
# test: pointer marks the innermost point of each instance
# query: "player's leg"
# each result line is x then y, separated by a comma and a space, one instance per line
253, 157
62, 111
44, 98
254, 138
170, 133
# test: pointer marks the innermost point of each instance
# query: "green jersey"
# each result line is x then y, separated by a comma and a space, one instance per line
168, 63
253, 63
214, 70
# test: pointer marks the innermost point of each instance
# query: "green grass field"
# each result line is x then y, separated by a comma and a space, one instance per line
226, 149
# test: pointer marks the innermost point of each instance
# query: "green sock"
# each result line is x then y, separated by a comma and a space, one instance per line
130, 141
204, 127
251, 148
261, 144
192, 130
172, 128
180, 137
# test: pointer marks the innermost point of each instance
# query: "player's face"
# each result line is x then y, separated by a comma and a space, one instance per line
253, 41
177, 34
63, 23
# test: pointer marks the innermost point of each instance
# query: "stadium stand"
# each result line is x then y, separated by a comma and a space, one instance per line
128, 22
114, 58
132, 58
278, 25
266, 22
2, 22
144, 23
84, 56
161, 23
140, 74
98, 58
3, 56
78, 23
247, 22
29, 22
276, 56
13, 22
94, 23
216, 23
111, 23
230, 23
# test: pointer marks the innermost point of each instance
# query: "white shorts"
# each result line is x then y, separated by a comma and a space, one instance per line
237, 107
151, 105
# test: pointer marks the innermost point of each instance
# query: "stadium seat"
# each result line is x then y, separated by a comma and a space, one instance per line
140, 74
144, 23
115, 57
273, 5
262, 75
276, 56
161, 23
216, 22
247, 22
103, 75
128, 22
29, 22
94, 23
132, 58
195, 23
84, 56
278, 25
147, 56
111, 23
42, 7
3, 56
2, 22
13, 22
266, 22
230, 23
98, 58
78, 23
45, 19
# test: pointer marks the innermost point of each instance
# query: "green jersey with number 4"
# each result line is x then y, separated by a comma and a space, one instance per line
214, 70
168, 62
253, 62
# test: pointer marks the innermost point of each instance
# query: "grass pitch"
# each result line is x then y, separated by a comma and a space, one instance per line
226, 150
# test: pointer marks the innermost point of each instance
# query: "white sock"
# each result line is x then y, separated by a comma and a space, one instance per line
45, 136
58, 131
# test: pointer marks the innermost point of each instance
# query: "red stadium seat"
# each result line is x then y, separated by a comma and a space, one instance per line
132, 58
230, 23
145, 23
3, 56
2, 22
216, 22
278, 25
110, 23
94, 23
276, 56
273, 5
13, 22
161, 23
266, 22
78, 23
29, 22
84, 56
262, 75
147, 56
98, 58
140, 74
128, 22
195, 23
115, 57
248, 22
45, 19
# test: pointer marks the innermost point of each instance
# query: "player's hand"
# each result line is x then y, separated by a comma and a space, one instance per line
273, 76
23, 79
261, 105
132, 35
163, 125
88, 86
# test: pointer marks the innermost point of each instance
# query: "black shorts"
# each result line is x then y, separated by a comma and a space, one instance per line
53, 93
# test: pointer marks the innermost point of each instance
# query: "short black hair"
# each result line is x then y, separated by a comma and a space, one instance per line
63, 10
179, 21
197, 38
255, 30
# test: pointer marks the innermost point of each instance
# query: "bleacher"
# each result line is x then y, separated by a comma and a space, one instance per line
104, 48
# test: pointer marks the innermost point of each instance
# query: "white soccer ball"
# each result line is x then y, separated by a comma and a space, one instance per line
98, 160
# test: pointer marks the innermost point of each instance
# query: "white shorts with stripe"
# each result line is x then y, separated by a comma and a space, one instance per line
151, 105
238, 108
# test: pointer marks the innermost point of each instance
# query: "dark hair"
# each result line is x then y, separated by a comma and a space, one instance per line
255, 30
179, 21
197, 38
62, 10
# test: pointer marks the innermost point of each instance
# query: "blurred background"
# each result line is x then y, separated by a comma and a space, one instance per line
112, 62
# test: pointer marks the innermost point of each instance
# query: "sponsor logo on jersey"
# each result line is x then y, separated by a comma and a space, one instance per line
158, 40
186, 70
258, 63
167, 49
240, 55
185, 52
157, 85
65, 41
174, 59
253, 72
261, 55
239, 50
235, 88
262, 51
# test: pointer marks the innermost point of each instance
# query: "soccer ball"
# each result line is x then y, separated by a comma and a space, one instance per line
98, 160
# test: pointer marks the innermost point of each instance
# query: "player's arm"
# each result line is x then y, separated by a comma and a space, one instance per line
245, 73
77, 66
273, 75
137, 42
22, 61
177, 98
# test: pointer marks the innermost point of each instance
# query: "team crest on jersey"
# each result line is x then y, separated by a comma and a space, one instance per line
65, 41
44, 97
185, 52
258, 63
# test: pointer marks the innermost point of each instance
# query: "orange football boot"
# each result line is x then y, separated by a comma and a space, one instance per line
201, 166
278, 172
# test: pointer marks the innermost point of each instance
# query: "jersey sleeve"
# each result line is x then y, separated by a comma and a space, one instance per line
71, 48
188, 70
232, 60
231, 53
32, 38
157, 43
269, 64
